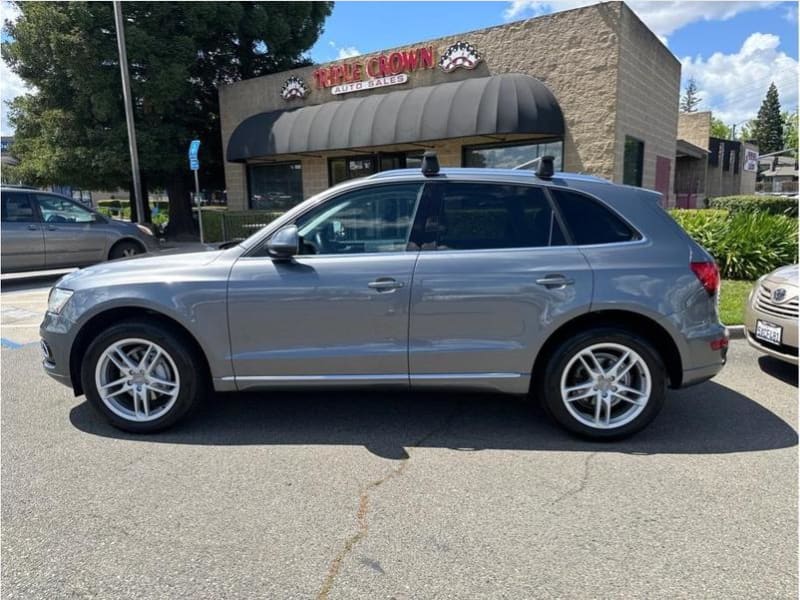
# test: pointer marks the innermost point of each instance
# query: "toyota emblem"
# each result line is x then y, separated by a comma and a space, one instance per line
779, 295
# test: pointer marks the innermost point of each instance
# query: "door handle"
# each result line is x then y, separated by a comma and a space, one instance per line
33, 227
52, 228
555, 281
385, 284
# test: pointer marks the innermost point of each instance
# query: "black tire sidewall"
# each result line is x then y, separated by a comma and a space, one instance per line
118, 249
191, 378
550, 387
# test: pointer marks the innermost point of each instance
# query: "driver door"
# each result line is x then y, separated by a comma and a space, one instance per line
336, 313
71, 233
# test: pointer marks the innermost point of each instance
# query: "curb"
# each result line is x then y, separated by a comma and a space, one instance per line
735, 332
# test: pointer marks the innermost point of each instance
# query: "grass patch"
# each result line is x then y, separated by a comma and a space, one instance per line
732, 297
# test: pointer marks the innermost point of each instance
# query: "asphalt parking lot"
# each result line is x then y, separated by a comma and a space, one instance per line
395, 496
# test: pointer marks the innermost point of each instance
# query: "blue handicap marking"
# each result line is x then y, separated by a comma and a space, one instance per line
6, 343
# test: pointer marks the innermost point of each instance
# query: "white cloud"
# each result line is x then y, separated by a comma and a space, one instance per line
348, 52
11, 85
663, 18
734, 85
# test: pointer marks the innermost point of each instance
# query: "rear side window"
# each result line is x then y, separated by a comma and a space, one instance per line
478, 216
17, 208
589, 221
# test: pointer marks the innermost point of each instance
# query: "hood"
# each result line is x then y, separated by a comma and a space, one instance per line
784, 276
161, 268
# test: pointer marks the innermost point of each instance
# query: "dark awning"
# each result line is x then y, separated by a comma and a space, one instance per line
502, 104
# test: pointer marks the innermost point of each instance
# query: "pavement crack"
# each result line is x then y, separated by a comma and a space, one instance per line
362, 524
581, 484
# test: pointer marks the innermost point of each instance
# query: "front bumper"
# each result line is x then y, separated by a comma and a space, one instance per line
56, 342
783, 352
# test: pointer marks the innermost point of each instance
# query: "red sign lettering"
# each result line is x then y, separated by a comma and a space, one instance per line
375, 67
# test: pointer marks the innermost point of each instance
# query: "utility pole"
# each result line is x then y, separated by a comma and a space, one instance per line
126, 92
733, 131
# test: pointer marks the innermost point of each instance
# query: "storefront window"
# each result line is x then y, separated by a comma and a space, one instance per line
508, 156
634, 161
350, 167
275, 187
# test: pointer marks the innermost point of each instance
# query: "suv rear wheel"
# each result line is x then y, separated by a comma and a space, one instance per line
604, 384
141, 377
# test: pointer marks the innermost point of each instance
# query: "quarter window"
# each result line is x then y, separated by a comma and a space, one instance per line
589, 221
482, 216
17, 208
377, 219
60, 210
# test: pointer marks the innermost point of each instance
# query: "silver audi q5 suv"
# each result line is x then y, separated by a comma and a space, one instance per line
584, 294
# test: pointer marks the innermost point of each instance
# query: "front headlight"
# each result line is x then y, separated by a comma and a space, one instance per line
58, 299
143, 229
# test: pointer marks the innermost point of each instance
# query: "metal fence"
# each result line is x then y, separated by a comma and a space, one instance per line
220, 225
777, 187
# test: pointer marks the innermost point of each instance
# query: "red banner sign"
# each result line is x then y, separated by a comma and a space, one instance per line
384, 65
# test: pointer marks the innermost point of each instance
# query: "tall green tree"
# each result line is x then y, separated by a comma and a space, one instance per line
719, 129
790, 130
71, 129
768, 126
690, 99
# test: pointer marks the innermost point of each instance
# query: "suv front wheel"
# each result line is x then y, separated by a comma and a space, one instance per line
142, 377
604, 384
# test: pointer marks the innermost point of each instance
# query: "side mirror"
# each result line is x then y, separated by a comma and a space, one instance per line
285, 243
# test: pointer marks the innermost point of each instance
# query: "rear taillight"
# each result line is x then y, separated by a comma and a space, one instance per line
708, 274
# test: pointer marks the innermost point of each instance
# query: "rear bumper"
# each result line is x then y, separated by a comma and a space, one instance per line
707, 353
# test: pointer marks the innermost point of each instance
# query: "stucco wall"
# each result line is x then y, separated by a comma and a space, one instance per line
695, 128
576, 53
647, 98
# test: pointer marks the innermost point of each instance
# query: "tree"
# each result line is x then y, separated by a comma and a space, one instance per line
768, 127
690, 100
719, 129
790, 130
746, 133
71, 130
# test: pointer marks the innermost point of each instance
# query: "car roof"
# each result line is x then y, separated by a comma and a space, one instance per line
506, 175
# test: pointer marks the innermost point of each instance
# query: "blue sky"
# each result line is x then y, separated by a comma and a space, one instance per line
732, 49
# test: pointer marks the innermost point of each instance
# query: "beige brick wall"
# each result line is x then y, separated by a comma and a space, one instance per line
576, 53
695, 128
647, 99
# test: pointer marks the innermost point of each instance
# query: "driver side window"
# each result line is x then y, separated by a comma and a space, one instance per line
377, 219
61, 210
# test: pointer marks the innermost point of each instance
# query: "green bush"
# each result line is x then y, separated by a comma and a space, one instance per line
774, 205
745, 244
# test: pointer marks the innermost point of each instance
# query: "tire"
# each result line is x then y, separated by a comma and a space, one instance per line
631, 401
169, 359
125, 248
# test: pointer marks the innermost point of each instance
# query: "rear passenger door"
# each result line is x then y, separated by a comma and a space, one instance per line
72, 233
23, 239
494, 277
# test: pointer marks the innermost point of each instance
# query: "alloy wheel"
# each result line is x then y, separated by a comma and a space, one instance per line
137, 380
606, 385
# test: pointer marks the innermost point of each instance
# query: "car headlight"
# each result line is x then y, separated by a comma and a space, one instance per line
143, 229
58, 300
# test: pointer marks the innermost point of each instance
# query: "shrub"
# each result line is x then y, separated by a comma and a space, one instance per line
774, 205
745, 244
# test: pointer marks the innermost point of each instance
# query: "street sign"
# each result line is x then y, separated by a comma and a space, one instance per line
194, 148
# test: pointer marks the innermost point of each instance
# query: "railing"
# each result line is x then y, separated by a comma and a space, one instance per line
777, 187
220, 225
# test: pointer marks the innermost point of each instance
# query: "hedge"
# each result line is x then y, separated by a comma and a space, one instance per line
745, 245
774, 205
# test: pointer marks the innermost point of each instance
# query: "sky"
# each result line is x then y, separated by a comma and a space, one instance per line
733, 50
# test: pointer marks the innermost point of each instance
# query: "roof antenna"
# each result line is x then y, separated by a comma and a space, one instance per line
545, 168
430, 163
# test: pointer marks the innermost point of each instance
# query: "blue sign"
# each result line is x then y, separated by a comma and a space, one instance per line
194, 148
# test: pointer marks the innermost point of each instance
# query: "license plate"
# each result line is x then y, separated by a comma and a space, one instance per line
769, 332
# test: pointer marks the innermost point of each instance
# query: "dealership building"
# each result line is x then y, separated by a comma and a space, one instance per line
592, 86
